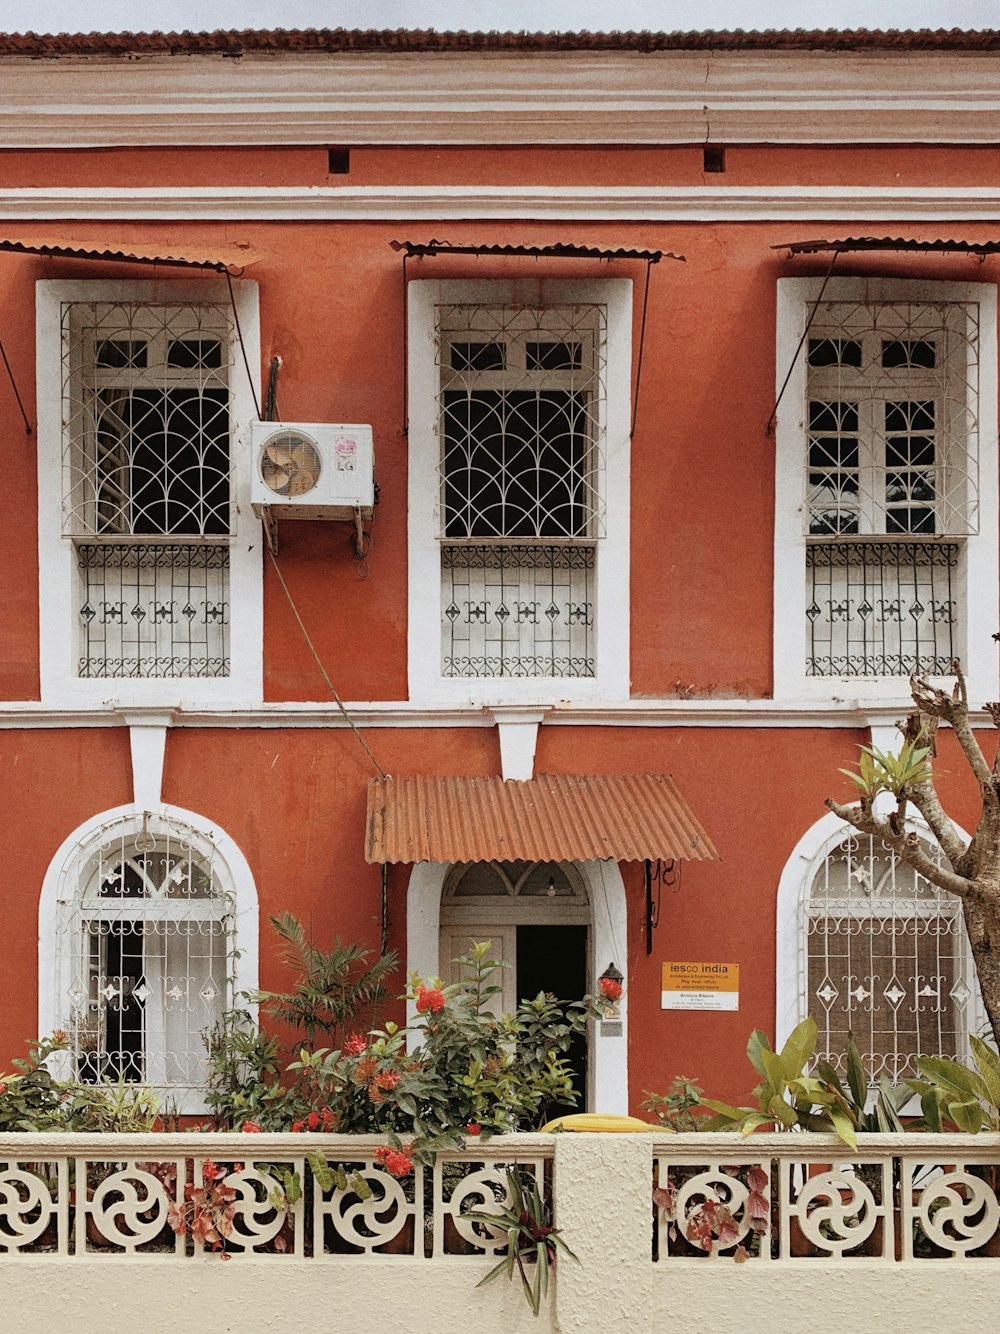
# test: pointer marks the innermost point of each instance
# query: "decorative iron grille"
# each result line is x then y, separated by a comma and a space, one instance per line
146, 419
153, 610
522, 412
516, 611
145, 939
522, 404
146, 457
882, 608
886, 961
893, 418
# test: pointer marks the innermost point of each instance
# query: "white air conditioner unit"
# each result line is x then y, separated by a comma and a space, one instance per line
312, 470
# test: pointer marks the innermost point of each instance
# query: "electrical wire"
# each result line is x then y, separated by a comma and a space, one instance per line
323, 672
243, 349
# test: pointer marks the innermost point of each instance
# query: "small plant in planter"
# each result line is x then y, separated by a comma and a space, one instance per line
531, 1239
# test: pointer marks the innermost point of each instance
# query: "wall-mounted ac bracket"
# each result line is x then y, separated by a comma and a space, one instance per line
268, 516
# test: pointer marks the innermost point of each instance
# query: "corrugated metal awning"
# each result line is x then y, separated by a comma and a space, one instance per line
907, 243
223, 259
553, 250
554, 817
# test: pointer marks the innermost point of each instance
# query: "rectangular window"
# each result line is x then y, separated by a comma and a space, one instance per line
146, 473
891, 453
521, 404
879, 469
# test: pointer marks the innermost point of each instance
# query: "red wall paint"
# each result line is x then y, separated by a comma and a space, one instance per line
702, 519
331, 306
51, 781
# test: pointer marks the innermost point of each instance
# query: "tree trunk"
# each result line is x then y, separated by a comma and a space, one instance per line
982, 924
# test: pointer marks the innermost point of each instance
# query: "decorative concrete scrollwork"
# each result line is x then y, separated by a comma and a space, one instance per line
958, 1212
376, 1221
26, 1208
713, 1186
480, 1192
256, 1218
129, 1207
836, 1211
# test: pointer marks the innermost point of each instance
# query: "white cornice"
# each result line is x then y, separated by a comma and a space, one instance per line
846, 713
416, 203
493, 98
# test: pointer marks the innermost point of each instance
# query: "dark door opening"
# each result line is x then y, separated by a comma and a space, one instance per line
554, 959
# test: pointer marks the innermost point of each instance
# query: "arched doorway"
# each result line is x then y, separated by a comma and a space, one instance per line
552, 941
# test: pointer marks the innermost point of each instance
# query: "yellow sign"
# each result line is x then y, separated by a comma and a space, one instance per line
700, 986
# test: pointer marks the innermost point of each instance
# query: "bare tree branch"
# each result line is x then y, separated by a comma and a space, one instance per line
928, 803
954, 710
907, 845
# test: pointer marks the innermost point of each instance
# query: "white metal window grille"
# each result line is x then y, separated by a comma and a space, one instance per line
146, 471
521, 410
886, 961
144, 940
892, 453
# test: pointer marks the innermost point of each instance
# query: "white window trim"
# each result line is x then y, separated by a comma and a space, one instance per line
981, 584
791, 963
66, 868
608, 940
611, 679
60, 686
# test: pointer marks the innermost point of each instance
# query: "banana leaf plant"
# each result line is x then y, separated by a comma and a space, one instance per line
969, 1099
531, 1238
790, 1098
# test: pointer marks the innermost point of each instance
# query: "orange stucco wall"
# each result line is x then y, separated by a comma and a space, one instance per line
294, 801
331, 305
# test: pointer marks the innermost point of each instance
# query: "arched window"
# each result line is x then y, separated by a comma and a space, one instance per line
145, 952
881, 954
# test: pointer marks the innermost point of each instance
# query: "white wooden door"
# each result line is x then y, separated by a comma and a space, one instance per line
457, 940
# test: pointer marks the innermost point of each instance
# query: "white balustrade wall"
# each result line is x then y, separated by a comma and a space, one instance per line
909, 1225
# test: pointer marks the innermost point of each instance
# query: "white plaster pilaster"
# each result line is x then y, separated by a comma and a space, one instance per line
518, 729
147, 735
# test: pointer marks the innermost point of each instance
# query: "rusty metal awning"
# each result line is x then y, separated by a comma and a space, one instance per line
554, 817
231, 258
903, 243
554, 250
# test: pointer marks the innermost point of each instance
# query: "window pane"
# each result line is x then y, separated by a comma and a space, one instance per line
515, 463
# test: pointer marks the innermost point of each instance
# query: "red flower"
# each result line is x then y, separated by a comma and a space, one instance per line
387, 1079
298, 1127
354, 1045
473, 1128
611, 988
329, 1120
430, 999
251, 1128
313, 1119
395, 1162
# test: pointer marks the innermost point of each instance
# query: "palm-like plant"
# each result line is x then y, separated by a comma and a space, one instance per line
334, 987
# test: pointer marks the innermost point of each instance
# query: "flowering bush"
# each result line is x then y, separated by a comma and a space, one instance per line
474, 1072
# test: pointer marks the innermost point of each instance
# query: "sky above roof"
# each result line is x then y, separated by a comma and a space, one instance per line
50, 16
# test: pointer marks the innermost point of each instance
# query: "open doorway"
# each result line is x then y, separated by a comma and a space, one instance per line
538, 917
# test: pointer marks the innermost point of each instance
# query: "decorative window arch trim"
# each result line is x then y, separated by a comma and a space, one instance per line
797, 877
608, 940
70, 861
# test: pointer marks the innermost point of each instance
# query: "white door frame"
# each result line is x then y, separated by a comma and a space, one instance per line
608, 941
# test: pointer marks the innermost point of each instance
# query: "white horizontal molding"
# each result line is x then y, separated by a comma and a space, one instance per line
502, 97
850, 713
413, 203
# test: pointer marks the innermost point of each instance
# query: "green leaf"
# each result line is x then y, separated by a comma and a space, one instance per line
951, 1076
967, 1115
989, 1067
759, 1042
856, 1079
844, 1127
798, 1049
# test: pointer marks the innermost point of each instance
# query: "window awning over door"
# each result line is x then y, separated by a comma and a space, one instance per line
226, 258
554, 817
